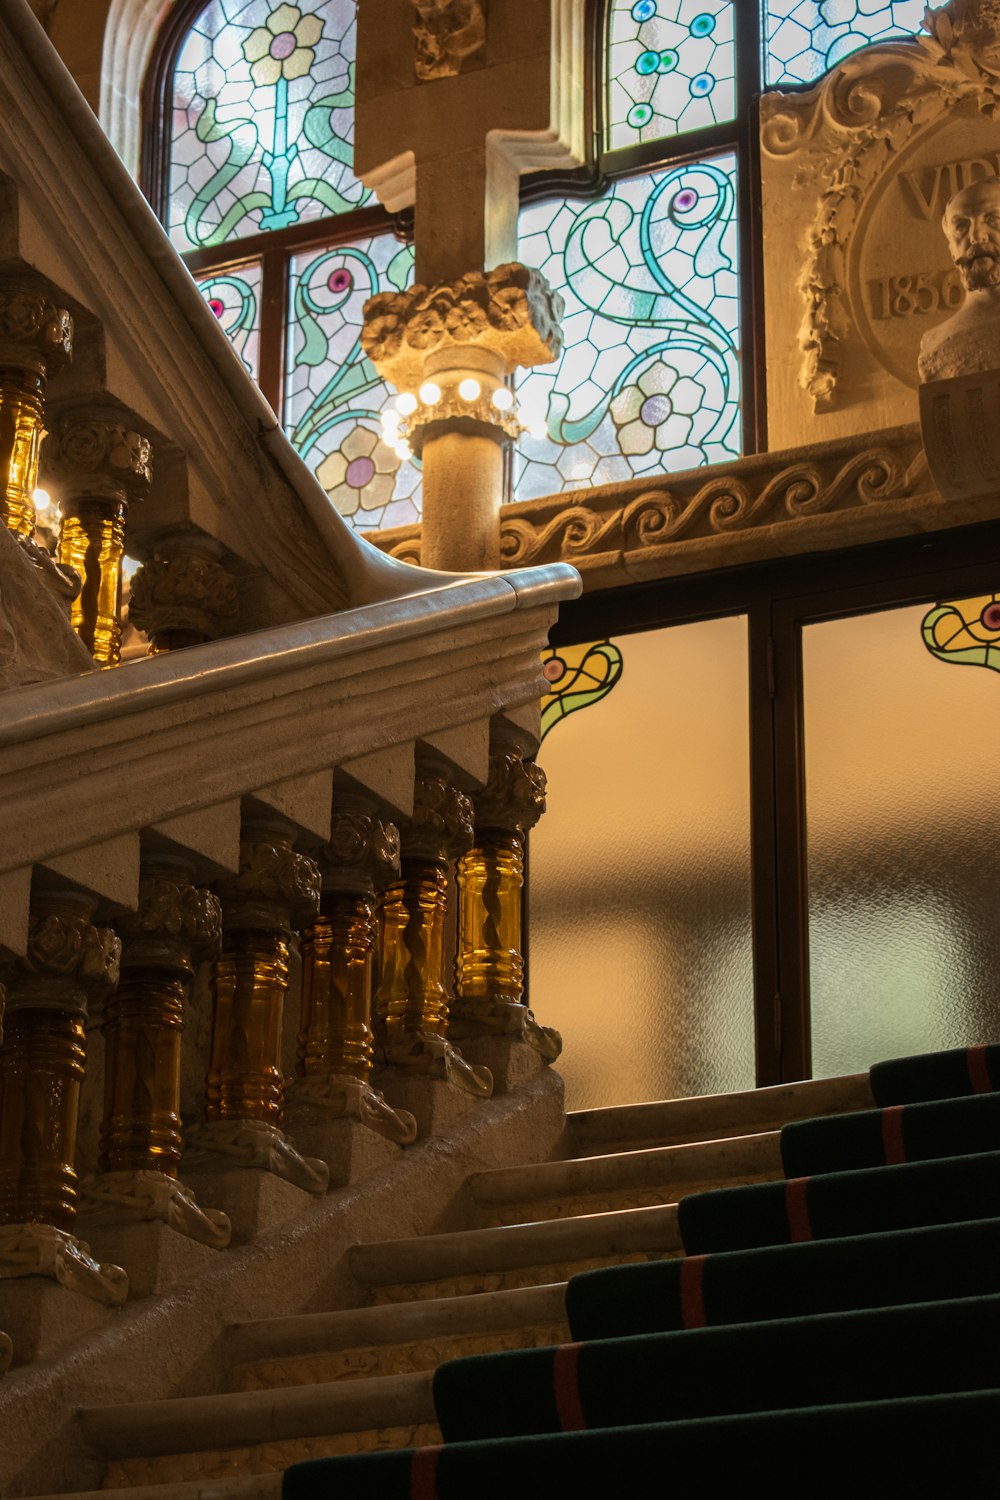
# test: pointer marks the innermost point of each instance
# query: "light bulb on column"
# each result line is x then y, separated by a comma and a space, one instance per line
469, 390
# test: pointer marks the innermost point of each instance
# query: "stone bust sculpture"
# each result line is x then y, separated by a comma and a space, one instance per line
969, 341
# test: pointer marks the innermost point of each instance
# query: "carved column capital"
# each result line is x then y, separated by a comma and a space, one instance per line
177, 925
441, 826
511, 311
35, 334
450, 37
187, 593
513, 798
362, 853
91, 452
69, 963
276, 889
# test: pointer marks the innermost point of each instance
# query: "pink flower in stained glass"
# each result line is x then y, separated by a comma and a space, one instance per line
554, 669
217, 305
283, 46
361, 473
340, 280
991, 616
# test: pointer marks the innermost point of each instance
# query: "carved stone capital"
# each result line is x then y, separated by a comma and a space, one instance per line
276, 888
68, 964
478, 1018
41, 1250
513, 798
424, 1054
95, 452
441, 826
216, 1144
339, 1096
148, 1197
450, 37
188, 593
177, 925
362, 853
511, 310
35, 334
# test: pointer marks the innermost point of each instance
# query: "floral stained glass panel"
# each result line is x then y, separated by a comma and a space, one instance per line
806, 37
234, 297
263, 120
649, 378
671, 67
333, 394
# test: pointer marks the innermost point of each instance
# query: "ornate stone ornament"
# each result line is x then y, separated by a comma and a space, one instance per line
442, 822
177, 925
34, 332
188, 592
40, 1250
93, 451
425, 1055
362, 853
513, 798
450, 37
37, 642
113, 1197
969, 341
215, 1144
339, 1096
276, 889
68, 963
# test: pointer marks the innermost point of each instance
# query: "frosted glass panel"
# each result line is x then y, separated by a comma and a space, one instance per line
903, 808
640, 876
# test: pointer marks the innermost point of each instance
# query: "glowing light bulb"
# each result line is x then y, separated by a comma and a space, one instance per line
502, 398
430, 393
469, 390
406, 404
42, 499
403, 451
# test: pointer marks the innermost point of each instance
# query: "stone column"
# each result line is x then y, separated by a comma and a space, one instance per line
98, 464
336, 1042
36, 339
412, 1002
69, 963
176, 927
184, 596
489, 973
448, 348
275, 893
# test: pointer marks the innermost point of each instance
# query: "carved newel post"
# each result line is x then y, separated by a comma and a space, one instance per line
489, 972
275, 893
69, 965
36, 339
98, 464
336, 1041
412, 1001
184, 596
176, 927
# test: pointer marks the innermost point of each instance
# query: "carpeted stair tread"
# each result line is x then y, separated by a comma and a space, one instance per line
894, 1134
396, 1323
920, 1349
435, 1257
925, 1445
787, 1281
710, 1117
836, 1204
670, 1169
192, 1423
936, 1075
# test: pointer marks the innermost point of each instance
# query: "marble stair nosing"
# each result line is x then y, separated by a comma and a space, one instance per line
245, 1487
395, 1323
711, 1117
193, 1423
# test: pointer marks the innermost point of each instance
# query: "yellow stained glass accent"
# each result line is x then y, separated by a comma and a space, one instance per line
580, 676
965, 632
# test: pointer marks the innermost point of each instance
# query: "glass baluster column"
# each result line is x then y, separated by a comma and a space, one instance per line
36, 340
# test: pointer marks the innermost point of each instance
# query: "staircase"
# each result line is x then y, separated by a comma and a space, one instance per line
359, 1379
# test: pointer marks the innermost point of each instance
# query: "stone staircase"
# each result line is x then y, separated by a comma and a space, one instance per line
348, 1381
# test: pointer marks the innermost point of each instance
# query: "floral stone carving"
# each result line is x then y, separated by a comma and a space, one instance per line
511, 310
177, 925
93, 452
362, 852
34, 332
450, 36
275, 888
513, 798
67, 962
441, 826
188, 592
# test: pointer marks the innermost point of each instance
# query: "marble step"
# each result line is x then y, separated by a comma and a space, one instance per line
515, 1255
246, 1487
632, 1179
392, 1339
710, 1117
254, 1431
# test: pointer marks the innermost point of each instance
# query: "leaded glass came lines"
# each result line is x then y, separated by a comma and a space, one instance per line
234, 297
670, 68
806, 37
333, 394
649, 380
263, 120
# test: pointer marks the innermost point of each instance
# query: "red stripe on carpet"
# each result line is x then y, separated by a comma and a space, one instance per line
423, 1473
893, 1144
566, 1388
979, 1073
693, 1292
797, 1209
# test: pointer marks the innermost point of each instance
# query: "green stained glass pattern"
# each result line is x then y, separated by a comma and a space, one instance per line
806, 37
333, 394
234, 297
649, 378
263, 120
965, 632
579, 677
670, 68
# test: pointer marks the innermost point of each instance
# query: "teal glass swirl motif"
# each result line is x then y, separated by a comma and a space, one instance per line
806, 37
649, 380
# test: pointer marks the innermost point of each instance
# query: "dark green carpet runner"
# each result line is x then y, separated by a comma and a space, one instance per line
891, 1136
936, 1075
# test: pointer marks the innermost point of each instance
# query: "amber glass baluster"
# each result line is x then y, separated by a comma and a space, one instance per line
244, 1078
337, 952
92, 540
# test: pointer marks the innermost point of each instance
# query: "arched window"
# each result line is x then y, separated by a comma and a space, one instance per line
653, 245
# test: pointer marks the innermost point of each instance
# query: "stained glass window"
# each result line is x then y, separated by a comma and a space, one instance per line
806, 37
333, 394
671, 67
649, 379
965, 632
263, 120
578, 677
234, 297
